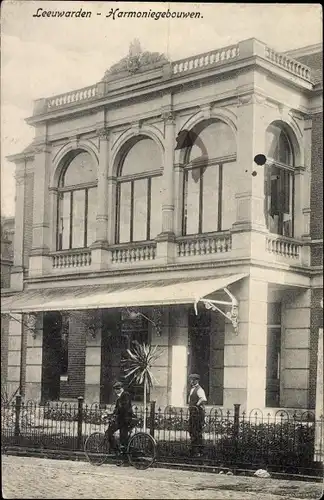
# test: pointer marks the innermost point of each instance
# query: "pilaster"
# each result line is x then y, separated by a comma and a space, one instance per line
179, 355
17, 269
251, 130
34, 356
40, 261
160, 368
245, 351
166, 239
93, 361
100, 254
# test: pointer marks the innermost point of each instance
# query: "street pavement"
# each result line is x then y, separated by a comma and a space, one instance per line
30, 477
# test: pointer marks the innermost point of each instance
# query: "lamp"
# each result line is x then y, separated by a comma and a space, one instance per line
31, 321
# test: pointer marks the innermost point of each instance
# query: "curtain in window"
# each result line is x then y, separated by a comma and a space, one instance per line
78, 219
209, 181
125, 204
140, 217
139, 203
279, 190
77, 203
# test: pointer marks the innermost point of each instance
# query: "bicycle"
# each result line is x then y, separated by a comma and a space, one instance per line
140, 452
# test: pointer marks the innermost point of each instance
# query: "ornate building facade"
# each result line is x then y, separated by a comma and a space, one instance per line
145, 211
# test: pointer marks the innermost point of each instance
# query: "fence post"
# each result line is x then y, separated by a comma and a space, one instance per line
236, 420
80, 411
152, 418
17, 414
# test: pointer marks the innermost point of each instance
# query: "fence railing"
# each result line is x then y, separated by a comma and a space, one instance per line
282, 441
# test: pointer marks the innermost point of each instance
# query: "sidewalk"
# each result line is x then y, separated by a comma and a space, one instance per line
36, 478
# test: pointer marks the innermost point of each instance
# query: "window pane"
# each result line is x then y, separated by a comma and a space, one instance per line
217, 140
192, 201
64, 222
124, 212
144, 156
80, 170
210, 199
229, 191
140, 210
280, 218
156, 207
92, 214
278, 146
78, 219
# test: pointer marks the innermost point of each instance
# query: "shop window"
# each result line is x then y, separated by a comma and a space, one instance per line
139, 199
280, 183
77, 203
134, 327
209, 180
273, 367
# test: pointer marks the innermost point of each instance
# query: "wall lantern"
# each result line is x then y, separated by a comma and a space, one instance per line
31, 321
94, 323
156, 320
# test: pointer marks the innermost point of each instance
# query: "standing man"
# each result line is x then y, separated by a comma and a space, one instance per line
197, 401
122, 418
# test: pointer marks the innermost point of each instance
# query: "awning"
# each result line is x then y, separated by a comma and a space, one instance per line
148, 293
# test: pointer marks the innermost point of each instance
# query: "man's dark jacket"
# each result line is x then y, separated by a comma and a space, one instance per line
123, 409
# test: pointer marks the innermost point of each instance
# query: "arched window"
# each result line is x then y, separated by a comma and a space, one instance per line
77, 203
139, 202
209, 179
280, 181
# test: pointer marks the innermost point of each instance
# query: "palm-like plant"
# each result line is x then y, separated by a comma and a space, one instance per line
138, 367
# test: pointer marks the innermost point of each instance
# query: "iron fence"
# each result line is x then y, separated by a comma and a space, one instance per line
281, 441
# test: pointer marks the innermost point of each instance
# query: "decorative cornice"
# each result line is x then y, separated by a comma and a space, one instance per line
136, 126
20, 178
206, 111
168, 116
103, 133
41, 148
251, 98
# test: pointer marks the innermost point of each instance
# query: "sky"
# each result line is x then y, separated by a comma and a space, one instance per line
44, 56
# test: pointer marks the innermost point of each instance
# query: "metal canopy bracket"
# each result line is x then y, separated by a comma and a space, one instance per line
232, 315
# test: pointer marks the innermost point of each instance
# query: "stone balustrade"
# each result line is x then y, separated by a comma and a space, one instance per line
73, 97
68, 259
130, 253
288, 64
283, 247
188, 246
213, 58
200, 61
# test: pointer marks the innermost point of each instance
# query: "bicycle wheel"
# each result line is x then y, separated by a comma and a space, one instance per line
96, 448
141, 450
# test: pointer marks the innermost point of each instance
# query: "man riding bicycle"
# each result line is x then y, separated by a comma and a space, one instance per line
122, 420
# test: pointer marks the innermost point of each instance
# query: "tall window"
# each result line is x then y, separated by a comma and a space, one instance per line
209, 180
280, 182
77, 203
139, 201
273, 355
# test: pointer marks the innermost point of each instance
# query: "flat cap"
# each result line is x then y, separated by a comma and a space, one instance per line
117, 385
194, 376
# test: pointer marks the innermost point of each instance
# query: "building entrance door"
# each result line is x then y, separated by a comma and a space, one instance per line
199, 346
52, 356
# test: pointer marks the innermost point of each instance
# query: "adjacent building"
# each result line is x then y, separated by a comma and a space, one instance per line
144, 212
